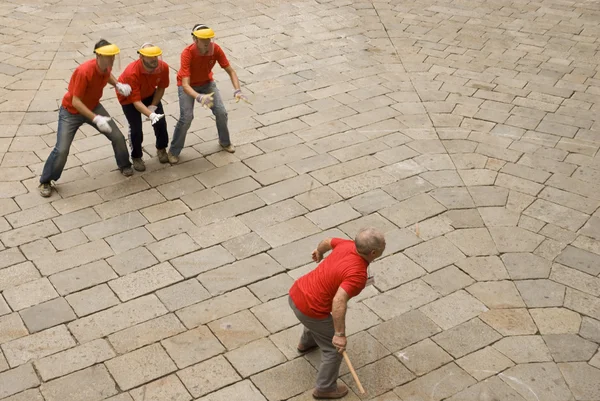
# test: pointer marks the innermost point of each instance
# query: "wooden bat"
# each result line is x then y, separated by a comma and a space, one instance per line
360, 387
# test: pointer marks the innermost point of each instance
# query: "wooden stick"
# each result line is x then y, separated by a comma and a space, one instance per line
360, 387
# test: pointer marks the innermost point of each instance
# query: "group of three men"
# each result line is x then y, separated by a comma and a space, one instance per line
140, 89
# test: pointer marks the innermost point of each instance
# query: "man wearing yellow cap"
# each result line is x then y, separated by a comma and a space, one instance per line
148, 77
195, 83
81, 104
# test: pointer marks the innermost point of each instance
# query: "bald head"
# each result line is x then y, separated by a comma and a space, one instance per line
370, 243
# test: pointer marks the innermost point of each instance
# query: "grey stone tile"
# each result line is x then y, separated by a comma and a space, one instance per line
524, 349
140, 366
526, 266
433, 383
246, 245
582, 379
16, 380
402, 299
497, 294
435, 254
510, 322
276, 314
208, 376
255, 357
246, 387
541, 293
93, 384
166, 388
74, 359
217, 307
447, 280
484, 363
47, 314
298, 373
453, 309
38, 345
423, 357
569, 347
466, 338
146, 333
580, 259
544, 379
515, 239
11, 327
273, 287
404, 330
182, 294
412, 210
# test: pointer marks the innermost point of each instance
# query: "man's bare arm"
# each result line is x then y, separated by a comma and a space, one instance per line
323, 247
338, 312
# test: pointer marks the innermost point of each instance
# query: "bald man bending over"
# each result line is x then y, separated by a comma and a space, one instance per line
319, 299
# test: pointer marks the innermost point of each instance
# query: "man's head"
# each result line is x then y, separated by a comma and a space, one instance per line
105, 54
203, 38
370, 243
149, 54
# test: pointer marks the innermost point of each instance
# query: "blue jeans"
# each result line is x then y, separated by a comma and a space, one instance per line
68, 124
186, 115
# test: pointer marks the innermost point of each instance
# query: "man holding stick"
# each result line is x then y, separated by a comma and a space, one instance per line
319, 299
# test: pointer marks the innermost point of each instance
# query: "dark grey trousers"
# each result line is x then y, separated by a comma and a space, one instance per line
320, 332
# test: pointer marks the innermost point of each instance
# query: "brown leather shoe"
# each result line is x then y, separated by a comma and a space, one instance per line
340, 392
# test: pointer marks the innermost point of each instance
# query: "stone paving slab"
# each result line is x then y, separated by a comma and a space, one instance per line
467, 131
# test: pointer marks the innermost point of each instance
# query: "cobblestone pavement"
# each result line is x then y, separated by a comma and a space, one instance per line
468, 131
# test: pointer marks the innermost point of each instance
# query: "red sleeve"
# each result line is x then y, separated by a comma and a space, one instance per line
136, 94
164, 77
222, 58
354, 284
185, 69
78, 84
336, 241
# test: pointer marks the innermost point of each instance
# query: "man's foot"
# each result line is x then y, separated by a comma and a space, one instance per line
303, 350
229, 148
127, 171
162, 155
340, 392
45, 189
172, 158
138, 164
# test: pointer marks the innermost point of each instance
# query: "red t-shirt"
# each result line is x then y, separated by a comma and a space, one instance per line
87, 83
313, 293
143, 83
199, 67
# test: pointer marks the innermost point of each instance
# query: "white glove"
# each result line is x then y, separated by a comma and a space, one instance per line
206, 101
123, 89
154, 118
102, 124
152, 108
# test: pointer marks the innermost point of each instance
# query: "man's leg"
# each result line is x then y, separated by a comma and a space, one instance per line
160, 129
68, 124
118, 142
186, 115
322, 331
134, 119
220, 114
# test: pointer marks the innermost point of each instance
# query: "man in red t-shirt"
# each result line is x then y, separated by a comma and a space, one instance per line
319, 300
81, 105
195, 83
148, 77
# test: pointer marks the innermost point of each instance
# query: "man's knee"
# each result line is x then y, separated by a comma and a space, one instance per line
220, 112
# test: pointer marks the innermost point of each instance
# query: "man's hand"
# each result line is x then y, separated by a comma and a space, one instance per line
123, 89
154, 118
102, 124
238, 95
317, 256
340, 342
206, 101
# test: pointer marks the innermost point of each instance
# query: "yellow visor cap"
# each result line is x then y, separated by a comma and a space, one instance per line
108, 50
153, 51
207, 33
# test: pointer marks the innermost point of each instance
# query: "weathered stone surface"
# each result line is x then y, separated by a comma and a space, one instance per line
434, 386
192, 346
47, 314
524, 349
453, 309
146, 333
38, 345
473, 241
238, 329
255, 357
167, 388
246, 387
543, 379
18, 379
580, 259
515, 239
404, 330
524, 265
497, 294
569, 347
484, 363
141, 366
93, 384
435, 254
466, 338
298, 374
423, 357
208, 376
510, 322
583, 379
541, 293
484, 268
